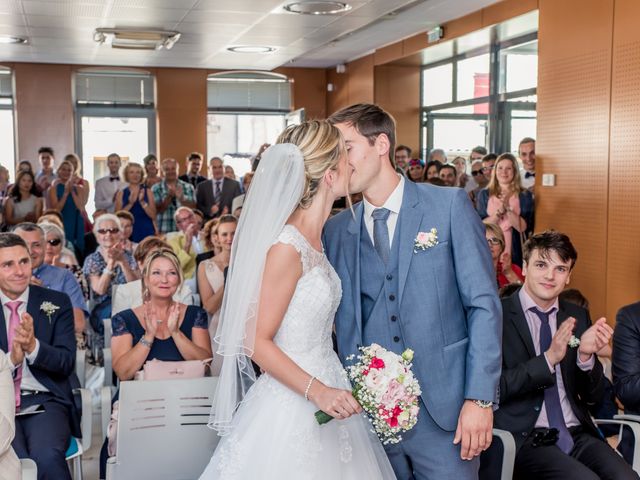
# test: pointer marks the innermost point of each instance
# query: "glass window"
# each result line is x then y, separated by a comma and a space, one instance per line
473, 77
457, 135
99, 137
7, 147
238, 137
519, 67
523, 124
437, 86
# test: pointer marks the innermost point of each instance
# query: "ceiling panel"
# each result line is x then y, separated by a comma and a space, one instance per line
62, 30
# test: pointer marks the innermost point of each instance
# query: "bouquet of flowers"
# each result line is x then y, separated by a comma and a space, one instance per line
385, 386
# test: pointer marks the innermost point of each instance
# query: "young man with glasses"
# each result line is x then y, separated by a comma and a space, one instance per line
550, 373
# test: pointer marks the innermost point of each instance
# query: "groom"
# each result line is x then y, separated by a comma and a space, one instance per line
416, 273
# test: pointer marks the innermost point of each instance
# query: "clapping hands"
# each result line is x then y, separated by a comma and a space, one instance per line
595, 338
24, 340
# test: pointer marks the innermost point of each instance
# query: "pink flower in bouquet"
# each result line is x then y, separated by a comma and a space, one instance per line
376, 363
394, 394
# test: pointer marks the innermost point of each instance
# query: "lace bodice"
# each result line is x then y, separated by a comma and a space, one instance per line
305, 332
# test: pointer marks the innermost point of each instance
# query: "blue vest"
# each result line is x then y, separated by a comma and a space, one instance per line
379, 294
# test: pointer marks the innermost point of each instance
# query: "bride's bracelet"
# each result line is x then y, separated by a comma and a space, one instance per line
306, 392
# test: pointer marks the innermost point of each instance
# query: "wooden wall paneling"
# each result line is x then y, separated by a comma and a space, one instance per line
501, 11
623, 254
181, 112
309, 90
397, 90
360, 73
44, 110
339, 97
574, 93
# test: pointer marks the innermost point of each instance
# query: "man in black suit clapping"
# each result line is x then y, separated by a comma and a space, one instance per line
550, 373
36, 329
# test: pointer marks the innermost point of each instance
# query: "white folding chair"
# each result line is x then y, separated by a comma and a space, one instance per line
508, 455
162, 429
107, 360
633, 423
108, 332
77, 446
29, 469
81, 366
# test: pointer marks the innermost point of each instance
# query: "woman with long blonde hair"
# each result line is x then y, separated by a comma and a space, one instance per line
280, 299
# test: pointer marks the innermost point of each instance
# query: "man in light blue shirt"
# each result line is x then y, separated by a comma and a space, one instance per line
48, 276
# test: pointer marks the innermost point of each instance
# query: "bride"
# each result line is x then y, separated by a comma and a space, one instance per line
281, 297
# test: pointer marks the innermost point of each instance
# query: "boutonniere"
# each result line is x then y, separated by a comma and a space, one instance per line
49, 309
574, 342
425, 240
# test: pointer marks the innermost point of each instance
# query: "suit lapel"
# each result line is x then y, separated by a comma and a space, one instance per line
3, 331
408, 224
351, 252
520, 322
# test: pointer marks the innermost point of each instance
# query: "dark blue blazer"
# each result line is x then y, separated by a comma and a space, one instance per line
55, 362
626, 360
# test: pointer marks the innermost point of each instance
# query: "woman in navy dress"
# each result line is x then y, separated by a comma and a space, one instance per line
160, 328
68, 197
136, 199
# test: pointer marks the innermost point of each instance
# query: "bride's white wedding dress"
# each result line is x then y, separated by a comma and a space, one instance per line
274, 433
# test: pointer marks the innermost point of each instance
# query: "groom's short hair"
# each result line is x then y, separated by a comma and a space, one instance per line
370, 121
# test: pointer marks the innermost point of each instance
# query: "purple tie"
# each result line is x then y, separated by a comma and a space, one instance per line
217, 193
551, 395
14, 321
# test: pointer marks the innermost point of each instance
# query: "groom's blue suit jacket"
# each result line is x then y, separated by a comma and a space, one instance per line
450, 313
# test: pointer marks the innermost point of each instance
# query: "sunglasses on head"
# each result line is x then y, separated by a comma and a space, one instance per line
54, 242
104, 231
475, 173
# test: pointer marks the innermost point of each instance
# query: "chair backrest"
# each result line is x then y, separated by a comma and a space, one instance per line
162, 429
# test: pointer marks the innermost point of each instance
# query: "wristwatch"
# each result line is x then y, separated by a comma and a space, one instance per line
145, 342
483, 403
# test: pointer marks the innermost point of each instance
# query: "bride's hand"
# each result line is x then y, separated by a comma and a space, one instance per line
338, 403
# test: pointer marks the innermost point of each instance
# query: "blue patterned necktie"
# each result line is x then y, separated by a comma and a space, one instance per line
551, 395
381, 233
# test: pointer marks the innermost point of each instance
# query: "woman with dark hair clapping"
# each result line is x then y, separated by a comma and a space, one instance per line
25, 202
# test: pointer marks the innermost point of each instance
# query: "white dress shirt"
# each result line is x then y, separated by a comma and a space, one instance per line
393, 204
28, 381
526, 182
105, 192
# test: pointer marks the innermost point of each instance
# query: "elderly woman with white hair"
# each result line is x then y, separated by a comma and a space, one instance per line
9, 463
109, 265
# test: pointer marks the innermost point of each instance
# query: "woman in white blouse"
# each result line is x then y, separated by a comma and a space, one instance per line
9, 463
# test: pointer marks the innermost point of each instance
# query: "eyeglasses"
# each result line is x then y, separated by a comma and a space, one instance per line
104, 231
183, 219
475, 173
487, 169
494, 241
54, 242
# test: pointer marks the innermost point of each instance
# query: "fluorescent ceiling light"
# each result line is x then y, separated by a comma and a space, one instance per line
6, 39
317, 8
132, 39
251, 49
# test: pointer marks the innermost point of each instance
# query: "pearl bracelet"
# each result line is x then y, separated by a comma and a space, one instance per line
306, 392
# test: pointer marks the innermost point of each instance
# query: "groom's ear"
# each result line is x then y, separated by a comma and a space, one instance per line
382, 145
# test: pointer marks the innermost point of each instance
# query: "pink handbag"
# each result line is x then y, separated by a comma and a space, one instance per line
159, 370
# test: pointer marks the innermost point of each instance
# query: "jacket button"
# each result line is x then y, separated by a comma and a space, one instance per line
392, 297
393, 318
537, 409
396, 339
389, 277
524, 434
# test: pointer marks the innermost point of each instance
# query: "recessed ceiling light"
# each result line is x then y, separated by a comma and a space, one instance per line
11, 39
251, 49
317, 8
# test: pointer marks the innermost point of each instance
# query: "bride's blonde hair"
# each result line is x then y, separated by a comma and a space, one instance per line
321, 145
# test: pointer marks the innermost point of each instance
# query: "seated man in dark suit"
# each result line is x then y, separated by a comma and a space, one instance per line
548, 380
625, 358
36, 329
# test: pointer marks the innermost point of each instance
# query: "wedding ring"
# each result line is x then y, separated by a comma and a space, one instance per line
158, 322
